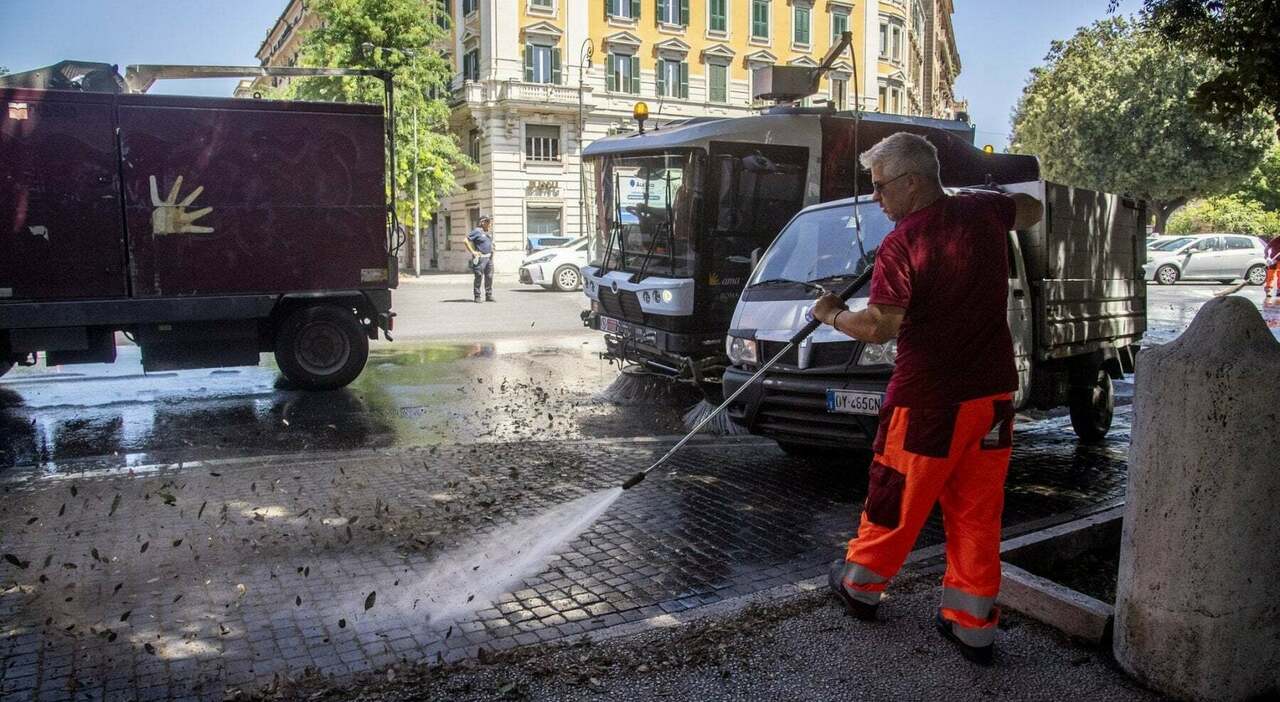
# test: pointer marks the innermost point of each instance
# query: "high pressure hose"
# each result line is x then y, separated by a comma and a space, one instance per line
801, 335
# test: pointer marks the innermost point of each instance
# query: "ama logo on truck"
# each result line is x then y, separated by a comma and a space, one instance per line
171, 216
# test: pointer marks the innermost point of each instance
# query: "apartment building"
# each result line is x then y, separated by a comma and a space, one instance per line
540, 79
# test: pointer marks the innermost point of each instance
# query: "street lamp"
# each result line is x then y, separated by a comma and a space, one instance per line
367, 49
584, 61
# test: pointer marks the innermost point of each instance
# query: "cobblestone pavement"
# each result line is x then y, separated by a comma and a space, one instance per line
192, 580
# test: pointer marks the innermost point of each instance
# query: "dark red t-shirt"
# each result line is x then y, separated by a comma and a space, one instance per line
1273, 249
947, 265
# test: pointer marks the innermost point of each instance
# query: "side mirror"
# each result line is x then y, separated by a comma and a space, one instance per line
756, 253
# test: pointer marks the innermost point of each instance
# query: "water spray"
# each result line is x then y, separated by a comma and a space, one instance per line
801, 335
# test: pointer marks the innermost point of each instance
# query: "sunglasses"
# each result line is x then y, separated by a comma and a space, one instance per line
879, 187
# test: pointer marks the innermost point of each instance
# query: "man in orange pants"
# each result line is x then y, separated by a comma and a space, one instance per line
1272, 284
940, 287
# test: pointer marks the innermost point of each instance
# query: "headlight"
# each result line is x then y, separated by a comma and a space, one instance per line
741, 351
879, 354
539, 259
667, 296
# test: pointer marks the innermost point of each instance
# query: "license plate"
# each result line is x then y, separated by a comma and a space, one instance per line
609, 324
854, 402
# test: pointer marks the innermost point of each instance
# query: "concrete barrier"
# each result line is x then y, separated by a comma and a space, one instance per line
1198, 598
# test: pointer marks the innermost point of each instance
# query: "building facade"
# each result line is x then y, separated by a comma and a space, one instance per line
538, 80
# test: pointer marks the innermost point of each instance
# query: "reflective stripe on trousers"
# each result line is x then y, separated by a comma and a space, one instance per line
973, 618
862, 583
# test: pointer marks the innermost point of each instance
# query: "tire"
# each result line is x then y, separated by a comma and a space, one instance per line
321, 347
1092, 408
567, 278
1167, 275
1256, 275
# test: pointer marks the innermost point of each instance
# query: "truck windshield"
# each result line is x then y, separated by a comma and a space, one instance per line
644, 213
823, 245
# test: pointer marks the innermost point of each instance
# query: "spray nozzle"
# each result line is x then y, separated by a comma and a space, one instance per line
633, 480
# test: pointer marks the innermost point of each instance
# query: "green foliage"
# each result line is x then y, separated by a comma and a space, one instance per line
1242, 35
1263, 185
404, 34
1226, 213
1109, 111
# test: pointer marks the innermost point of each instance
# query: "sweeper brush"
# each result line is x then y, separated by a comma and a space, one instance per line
808, 329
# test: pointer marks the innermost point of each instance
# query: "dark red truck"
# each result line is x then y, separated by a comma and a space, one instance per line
208, 230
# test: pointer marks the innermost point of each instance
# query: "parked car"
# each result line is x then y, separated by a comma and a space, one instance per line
1223, 257
558, 268
538, 242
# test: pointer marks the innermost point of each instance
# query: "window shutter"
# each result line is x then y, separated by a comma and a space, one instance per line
610, 76
662, 77
608, 9
657, 11
684, 79
635, 9
635, 71
684, 12
555, 65
528, 63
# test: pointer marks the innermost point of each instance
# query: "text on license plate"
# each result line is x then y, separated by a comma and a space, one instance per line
854, 402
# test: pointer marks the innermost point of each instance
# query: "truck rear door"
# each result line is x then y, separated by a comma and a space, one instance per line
61, 231
230, 196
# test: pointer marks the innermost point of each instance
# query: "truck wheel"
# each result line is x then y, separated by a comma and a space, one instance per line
1167, 275
322, 347
567, 278
1092, 408
1257, 275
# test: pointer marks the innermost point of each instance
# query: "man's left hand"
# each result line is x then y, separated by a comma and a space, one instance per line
827, 308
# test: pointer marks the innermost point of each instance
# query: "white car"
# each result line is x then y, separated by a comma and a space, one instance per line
559, 268
1222, 257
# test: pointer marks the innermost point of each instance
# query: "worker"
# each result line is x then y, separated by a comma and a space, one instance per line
946, 428
479, 244
1272, 254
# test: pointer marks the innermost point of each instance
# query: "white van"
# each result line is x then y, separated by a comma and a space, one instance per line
1077, 308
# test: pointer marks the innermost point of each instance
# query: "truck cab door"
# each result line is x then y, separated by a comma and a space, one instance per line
1020, 319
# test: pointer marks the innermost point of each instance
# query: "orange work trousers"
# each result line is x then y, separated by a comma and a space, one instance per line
957, 456
1273, 279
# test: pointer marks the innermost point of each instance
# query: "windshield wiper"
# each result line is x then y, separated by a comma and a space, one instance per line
787, 281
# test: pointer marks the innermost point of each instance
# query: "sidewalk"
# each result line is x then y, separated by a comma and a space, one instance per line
447, 278
796, 647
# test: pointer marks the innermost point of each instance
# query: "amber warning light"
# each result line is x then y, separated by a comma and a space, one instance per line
640, 112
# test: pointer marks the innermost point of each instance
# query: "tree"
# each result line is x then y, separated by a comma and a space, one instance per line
399, 36
1263, 185
1242, 35
1109, 111
1225, 213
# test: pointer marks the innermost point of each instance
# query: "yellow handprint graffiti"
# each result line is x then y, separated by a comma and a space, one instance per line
171, 216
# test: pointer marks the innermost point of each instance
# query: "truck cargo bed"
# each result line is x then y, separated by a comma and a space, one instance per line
1084, 263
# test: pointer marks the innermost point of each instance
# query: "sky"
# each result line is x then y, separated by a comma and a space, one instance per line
999, 40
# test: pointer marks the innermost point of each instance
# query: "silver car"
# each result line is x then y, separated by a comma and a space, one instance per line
1222, 257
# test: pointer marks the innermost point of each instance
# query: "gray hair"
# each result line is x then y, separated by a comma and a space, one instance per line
903, 153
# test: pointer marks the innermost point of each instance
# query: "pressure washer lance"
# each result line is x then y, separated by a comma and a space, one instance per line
795, 340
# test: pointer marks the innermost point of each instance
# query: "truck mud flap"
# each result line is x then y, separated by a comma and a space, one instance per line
199, 345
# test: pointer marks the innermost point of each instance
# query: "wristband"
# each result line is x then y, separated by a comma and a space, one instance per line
837, 317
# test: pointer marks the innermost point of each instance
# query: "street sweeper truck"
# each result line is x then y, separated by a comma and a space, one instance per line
682, 213
207, 230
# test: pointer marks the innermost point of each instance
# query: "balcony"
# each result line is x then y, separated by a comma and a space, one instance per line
544, 96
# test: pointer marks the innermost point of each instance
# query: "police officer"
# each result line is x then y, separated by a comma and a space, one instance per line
480, 243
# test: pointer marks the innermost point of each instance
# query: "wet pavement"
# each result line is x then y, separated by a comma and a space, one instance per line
410, 394
182, 534
188, 581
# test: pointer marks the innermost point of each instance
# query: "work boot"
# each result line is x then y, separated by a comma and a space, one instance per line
477, 298
982, 655
488, 298
854, 607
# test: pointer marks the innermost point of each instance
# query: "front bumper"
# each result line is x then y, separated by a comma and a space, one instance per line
793, 407
669, 353
532, 275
